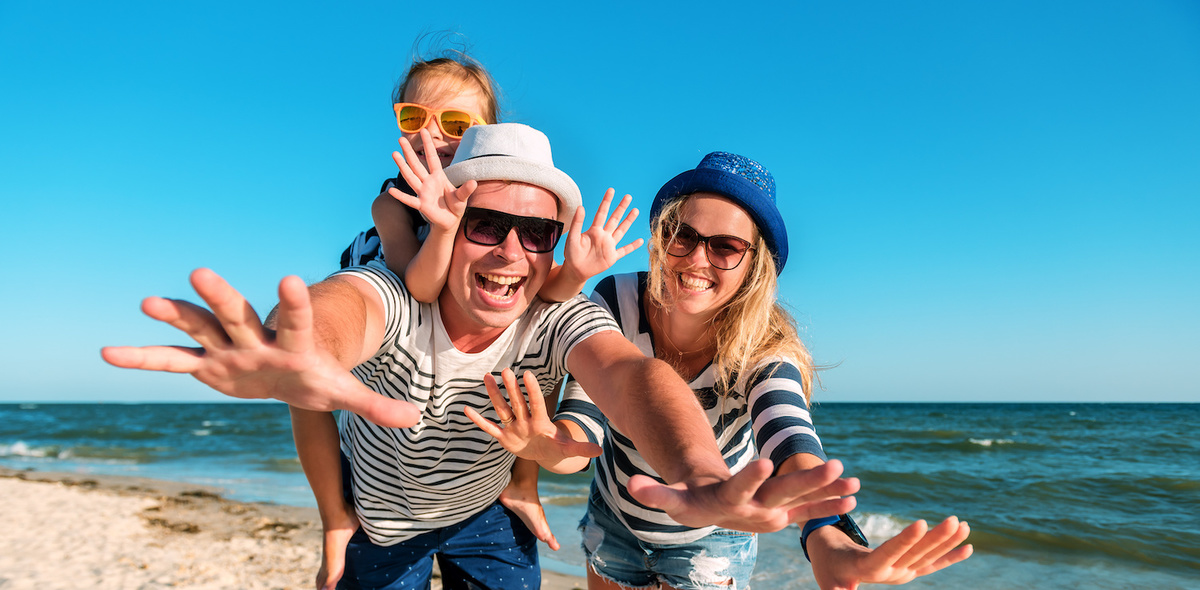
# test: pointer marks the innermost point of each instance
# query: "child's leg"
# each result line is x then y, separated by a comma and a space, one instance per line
521, 497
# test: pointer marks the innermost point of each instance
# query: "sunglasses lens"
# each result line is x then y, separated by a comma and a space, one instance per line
539, 235
683, 241
725, 253
490, 228
455, 123
484, 229
411, 118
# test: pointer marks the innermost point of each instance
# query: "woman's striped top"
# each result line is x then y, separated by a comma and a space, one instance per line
765, 415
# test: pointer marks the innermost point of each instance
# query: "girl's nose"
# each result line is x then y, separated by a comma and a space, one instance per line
434, 129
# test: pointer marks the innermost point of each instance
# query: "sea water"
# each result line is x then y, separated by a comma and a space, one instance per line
1057, 495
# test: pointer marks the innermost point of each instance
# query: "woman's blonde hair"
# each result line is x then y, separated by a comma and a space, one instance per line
753, 326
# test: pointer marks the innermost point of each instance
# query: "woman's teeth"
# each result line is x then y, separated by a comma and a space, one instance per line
694, 283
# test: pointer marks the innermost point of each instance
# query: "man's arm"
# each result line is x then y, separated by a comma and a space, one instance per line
302, 363
646, 400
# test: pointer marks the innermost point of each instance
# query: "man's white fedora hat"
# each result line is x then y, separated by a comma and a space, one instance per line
514, 152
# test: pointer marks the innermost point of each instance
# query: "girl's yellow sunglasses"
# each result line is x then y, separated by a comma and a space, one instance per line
411, 117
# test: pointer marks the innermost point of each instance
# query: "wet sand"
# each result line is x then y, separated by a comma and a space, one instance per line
68, 531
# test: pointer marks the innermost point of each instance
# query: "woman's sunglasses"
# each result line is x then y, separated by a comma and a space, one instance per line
491, 228
413, 117
723, 252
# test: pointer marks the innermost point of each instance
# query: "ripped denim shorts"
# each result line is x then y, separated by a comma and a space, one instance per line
723, 560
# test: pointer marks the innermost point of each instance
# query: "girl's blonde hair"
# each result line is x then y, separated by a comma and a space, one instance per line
449, 75
753, 326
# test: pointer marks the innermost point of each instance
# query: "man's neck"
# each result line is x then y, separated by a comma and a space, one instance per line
466, 336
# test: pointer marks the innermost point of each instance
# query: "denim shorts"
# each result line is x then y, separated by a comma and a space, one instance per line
723, 560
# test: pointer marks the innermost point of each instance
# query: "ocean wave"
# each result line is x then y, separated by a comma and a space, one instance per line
22, 449
1050, 539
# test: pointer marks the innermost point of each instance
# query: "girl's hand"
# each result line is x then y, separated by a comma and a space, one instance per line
916, 551
595, 251
525, 430
438, 200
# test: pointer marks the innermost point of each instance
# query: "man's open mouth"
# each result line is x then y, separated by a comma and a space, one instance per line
498, 287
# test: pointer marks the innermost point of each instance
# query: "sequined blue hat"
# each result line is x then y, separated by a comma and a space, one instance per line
742, 180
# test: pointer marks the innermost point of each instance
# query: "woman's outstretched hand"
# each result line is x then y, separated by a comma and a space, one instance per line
917, 551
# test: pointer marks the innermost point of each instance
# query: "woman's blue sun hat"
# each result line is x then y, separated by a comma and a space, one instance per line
741, 180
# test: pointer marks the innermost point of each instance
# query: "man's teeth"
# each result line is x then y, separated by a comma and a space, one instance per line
502, 279
694, 283
499, 287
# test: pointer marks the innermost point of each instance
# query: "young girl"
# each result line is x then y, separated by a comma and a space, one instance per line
416, 218
708, 307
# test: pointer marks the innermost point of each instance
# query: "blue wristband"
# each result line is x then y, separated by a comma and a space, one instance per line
811, 526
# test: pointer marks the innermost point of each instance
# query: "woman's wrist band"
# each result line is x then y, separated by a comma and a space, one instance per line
842, 522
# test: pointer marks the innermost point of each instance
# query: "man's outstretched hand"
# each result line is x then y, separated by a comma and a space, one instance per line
240, 358
752, 500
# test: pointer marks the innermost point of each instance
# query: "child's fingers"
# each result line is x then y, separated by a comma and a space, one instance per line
431, 157
576, 228
601, 217
405, 198
464, 192
412, 162
406, 172
627, 248
615, 218
624, 227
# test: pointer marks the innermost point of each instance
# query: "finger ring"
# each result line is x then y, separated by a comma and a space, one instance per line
509, 421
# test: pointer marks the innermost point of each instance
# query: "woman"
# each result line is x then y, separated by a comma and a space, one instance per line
708, 307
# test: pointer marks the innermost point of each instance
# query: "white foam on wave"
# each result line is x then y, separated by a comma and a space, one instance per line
987, 442
21, 449
204, 432
879, 527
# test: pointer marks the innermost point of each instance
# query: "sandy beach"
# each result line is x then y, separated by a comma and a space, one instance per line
69, 531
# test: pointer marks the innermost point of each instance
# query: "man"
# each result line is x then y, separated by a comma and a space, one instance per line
425, 480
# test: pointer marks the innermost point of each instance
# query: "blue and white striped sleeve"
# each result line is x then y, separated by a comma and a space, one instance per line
781, 419
577, 407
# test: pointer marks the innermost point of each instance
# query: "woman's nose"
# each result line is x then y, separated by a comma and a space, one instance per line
698, 257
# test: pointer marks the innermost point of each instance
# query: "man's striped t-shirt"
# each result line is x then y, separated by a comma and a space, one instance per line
765, 415
444, 469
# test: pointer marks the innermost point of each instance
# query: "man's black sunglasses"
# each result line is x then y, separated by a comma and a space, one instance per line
490, 228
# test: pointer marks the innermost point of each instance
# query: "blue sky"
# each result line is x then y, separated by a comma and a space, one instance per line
986, 201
